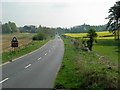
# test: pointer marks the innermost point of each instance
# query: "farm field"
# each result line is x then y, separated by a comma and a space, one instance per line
26, 45
23, 39
101, 35
6, 56
106, 45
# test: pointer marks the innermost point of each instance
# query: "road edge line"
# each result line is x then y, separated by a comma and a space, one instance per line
25, 54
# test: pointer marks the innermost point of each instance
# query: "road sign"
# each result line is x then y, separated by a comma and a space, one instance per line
14, 42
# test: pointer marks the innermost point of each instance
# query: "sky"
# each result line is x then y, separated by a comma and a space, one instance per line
56, 13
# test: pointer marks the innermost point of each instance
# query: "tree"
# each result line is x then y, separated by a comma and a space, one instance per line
12, 26
6, 28
40, 36
91, 35
9, 27
46, 30
114, 20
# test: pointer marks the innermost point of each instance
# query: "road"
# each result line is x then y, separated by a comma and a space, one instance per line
35, 70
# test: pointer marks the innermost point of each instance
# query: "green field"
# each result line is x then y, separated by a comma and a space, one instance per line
96, 70
107, 48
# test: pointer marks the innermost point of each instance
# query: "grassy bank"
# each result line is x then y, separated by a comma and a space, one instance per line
6, 56
108, 48
84, 70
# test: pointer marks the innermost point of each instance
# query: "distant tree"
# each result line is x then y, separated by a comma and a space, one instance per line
29, 29
48, 31
91, 35
83, 28
9, 27
39, 28
26, 28
6, 28
13, 26
114, 20
33, 29
40, 36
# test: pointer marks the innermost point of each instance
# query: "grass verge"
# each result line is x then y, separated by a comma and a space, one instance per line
83, 70
6, 56
108, 48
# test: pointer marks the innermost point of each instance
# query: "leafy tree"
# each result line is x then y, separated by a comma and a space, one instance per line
46, 30
9, 27
91, 35
114, 20
13, 26
6, 28
30, 29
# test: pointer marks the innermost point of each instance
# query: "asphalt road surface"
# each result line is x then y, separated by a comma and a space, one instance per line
35, 70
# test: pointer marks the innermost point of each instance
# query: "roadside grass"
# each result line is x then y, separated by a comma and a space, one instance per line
83, 70
6, 56
108, 48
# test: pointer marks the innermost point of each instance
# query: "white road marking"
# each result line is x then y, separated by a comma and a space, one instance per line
4, 80
28, 65
39, 58
46, 54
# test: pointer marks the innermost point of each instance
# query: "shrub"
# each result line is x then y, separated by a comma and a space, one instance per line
40, 36
35, 37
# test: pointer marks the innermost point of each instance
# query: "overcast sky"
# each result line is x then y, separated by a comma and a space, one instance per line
56, 13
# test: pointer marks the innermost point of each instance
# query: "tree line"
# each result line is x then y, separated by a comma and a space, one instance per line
9, 27
85, 28
81, 29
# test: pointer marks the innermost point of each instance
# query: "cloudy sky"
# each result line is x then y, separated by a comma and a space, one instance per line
56, 13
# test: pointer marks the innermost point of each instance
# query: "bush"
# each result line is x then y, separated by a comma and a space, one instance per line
39, 36
35, 37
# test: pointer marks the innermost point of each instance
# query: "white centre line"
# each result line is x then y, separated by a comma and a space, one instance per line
28, 65
46, 54
39, 58
4, 80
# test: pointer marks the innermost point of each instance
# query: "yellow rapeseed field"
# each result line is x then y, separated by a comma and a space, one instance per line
100, 35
